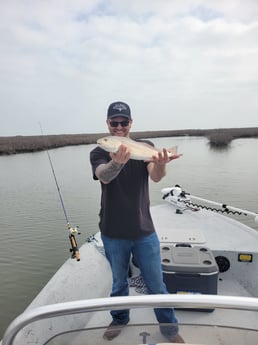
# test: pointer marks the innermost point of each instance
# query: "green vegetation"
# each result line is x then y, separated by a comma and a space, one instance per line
22, 144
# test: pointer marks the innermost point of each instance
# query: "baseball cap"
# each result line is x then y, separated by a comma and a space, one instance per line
119, 109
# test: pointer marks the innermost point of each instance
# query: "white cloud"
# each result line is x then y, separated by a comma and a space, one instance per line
179, 64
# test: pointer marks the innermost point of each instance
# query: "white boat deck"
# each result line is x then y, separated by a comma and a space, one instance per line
202, 227
219, 327
92, 279
189, 320
216, 232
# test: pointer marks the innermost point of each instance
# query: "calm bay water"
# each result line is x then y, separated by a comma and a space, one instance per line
34, 239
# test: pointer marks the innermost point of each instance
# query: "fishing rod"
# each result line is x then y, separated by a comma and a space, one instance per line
72, 230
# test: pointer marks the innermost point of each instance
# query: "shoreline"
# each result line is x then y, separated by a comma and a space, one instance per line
25, 144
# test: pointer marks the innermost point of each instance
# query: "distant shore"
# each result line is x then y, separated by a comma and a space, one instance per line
22, 144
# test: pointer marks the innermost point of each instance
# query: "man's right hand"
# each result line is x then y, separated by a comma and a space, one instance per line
122, 156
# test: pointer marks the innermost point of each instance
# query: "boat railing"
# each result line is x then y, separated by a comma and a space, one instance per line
116, 303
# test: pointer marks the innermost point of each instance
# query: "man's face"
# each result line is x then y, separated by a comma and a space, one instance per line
119, 126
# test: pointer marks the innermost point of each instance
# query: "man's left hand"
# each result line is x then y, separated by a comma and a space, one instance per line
163, 157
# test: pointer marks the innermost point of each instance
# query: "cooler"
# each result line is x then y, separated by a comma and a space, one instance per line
189, 269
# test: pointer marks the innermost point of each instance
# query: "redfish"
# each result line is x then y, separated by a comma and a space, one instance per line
138, 150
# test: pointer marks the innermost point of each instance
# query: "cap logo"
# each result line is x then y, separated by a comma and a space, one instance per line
120, 107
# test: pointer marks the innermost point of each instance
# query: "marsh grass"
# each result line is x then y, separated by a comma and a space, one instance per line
22, 144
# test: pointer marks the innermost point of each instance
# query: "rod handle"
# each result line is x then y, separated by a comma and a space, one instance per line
75, 250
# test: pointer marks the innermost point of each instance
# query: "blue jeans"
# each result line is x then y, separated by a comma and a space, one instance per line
146, 254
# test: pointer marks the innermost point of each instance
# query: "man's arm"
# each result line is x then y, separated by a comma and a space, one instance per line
157, 167
107, 172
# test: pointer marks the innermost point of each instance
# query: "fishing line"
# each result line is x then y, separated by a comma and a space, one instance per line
73, 230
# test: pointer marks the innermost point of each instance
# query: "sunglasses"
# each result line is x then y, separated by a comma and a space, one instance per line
117, 123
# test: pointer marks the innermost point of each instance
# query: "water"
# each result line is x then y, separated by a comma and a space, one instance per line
34, 239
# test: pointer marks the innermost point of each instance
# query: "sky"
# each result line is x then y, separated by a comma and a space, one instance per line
179, 64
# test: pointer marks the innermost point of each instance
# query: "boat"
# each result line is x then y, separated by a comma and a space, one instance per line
210, 265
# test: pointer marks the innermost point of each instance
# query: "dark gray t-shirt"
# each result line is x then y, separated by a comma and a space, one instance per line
125, 203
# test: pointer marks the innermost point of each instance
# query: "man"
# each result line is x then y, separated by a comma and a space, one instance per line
125, 221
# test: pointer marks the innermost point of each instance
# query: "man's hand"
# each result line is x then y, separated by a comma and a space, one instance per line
163, 157
122, 156
157, 167
107, 172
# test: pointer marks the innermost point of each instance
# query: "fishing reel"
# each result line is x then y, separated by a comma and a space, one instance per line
74, 248
74, 230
